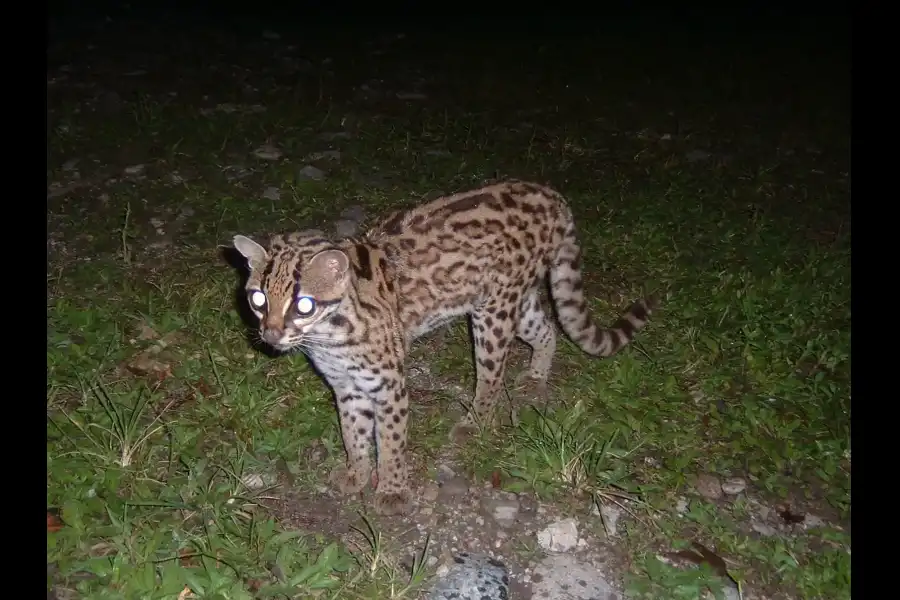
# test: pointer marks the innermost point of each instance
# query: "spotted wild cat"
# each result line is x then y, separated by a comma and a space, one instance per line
355, 305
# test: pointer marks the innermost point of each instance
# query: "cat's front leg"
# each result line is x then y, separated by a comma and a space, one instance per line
391, 414
357, 416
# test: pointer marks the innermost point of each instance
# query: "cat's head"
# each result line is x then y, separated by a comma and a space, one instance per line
294, 287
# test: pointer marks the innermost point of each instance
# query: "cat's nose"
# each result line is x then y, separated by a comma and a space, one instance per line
272, 335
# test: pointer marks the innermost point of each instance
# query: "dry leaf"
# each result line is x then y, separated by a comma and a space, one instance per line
54, 523
703, 555
186, 558
495, 479
185, 593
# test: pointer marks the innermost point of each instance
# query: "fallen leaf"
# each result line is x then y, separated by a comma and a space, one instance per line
186, 558
495, 479
703, 555
54, 523
185, 593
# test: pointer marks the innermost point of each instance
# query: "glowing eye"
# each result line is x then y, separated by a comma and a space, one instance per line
305, 306
257, 299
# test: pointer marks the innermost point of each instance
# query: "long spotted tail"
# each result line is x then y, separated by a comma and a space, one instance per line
567, 289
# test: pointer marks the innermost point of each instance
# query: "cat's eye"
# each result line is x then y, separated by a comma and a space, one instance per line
306, 306
257, 299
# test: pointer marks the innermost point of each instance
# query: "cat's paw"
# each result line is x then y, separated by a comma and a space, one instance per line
349, 481
392, 503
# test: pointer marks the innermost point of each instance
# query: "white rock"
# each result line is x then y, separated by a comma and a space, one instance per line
733, 486
267, 152
560, 536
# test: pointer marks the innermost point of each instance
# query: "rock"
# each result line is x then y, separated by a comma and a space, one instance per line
253, 481
267, 152
471, 577
344, 228
610, 514
444, 473
560, 536
272, 193
430, 493
310, 172
763, 529
455, 487
354, 212
734, 486
563, 577
501, 506
135, 169
708, 486
812, 521
325, 154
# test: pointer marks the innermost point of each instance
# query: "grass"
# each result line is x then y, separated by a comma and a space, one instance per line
166, 430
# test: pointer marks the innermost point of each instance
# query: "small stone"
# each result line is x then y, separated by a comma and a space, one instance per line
610, 516
501, 506
733, 486
560, 536
134, 169
763, 529
344, 228
272, 193
681, 506
253, 481
310, 172
813, 521
444, 473
267, 152
469, 577
354, 212
708, 486
562, 576
70, 164
453, 488
325, 154
430, 493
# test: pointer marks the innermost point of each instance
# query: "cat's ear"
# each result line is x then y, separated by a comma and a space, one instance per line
254, 253
329, 265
